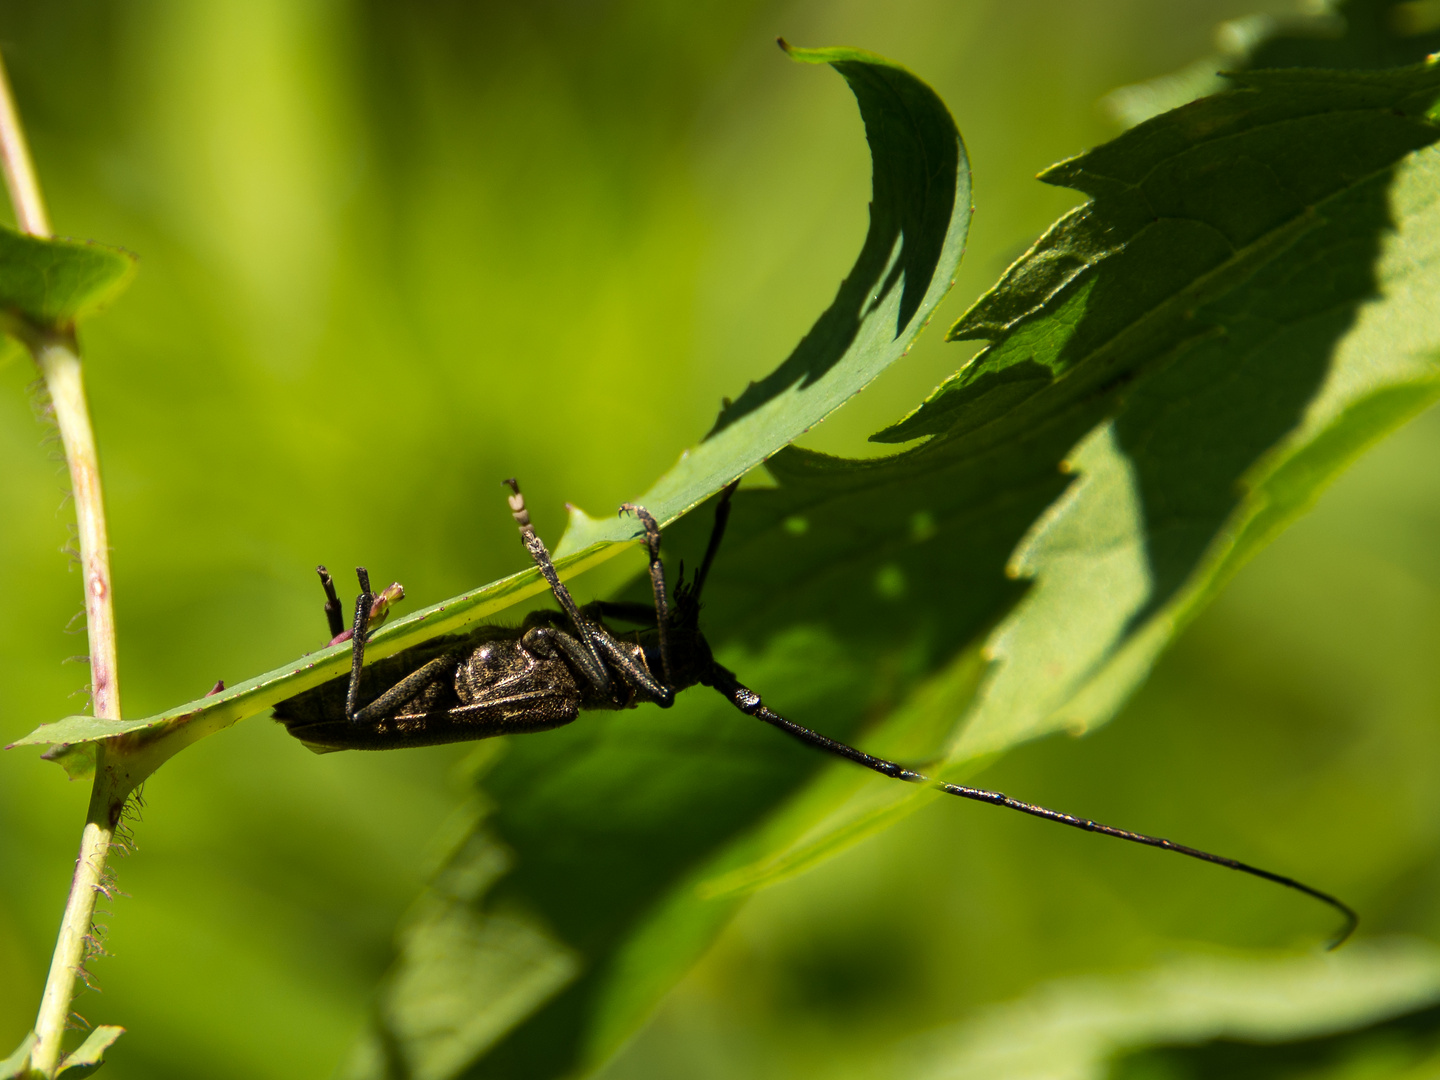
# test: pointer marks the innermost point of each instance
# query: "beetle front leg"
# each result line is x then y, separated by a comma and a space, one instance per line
546, 641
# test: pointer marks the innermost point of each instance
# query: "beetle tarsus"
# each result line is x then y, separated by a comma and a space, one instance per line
333, 609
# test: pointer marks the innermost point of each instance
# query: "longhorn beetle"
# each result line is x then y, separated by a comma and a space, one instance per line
543, 674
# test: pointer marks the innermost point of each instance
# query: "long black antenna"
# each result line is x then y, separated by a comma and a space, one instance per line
748, 702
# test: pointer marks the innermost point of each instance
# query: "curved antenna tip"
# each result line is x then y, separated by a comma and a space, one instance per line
1352, 921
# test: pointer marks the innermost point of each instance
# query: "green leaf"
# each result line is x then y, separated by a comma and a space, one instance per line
1351, 34
1174, 372
51, 283
18, 1063
147, 743
1315, 1015
1242, 309
590, 790
1249, 293
919, 218
90, 1055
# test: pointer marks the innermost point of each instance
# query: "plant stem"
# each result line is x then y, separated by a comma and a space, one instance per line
19, 171
75, 924
59, 360
58, 356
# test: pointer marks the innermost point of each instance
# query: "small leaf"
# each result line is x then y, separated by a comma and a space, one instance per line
50, 283
91, 1053
17, 1065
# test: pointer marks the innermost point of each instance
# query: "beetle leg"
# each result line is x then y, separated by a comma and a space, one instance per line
357, 643
546, 641
414, 683
634, 673
585, 631
657, 583
717, 533
332, 604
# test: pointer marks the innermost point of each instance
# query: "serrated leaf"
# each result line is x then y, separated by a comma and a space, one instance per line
49, 283
17, 1065
1175, 371
1234, 394
89, 1055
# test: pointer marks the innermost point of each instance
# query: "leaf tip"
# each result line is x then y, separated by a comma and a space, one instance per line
91, 1053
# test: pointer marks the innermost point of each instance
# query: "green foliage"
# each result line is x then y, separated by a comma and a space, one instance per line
1350, 34
50, 283
354, 314
1201, 1017
919, 216
18, 1063
1196, 343
1245, 299
90, 1054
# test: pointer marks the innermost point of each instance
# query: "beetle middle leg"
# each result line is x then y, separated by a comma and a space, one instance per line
369, 608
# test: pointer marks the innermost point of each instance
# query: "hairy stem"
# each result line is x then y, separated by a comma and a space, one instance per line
59, 361
58, 356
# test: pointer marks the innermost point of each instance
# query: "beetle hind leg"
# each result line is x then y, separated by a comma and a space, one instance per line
407, 689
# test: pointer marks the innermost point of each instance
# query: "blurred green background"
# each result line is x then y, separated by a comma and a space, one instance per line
392, 253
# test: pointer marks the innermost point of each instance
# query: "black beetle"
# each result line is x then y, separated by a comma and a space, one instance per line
557, 664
